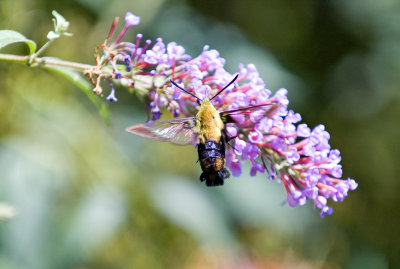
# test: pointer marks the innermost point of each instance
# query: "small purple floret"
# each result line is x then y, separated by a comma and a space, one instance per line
131, 19
257, 167
111, 97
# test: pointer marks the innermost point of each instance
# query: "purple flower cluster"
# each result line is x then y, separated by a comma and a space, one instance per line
271, 138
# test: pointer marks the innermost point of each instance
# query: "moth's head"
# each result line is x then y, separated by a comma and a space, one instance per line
205, 100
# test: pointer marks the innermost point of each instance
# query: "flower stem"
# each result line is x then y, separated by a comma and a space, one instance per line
37, 53
45, 62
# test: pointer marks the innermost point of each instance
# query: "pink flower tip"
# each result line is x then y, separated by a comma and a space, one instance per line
131, 19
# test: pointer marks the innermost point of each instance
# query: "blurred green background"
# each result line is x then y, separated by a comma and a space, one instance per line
89, 195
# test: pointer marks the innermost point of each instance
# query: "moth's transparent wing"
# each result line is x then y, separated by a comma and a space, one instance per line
179, 131
260, 111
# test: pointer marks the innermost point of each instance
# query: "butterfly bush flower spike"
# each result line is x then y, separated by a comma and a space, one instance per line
272, 138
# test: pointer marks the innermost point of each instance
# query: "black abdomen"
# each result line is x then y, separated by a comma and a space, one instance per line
212, 162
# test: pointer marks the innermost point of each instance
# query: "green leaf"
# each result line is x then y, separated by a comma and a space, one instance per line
8, 37
79, 80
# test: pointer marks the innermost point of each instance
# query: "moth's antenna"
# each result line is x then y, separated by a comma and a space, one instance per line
229, 84
198, 99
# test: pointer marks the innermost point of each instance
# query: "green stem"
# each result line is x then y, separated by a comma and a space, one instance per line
45, 62
33, 56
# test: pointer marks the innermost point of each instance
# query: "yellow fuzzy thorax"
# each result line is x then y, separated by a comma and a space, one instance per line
208, 122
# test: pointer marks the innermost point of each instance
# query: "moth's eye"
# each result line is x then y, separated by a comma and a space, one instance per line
198, 101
